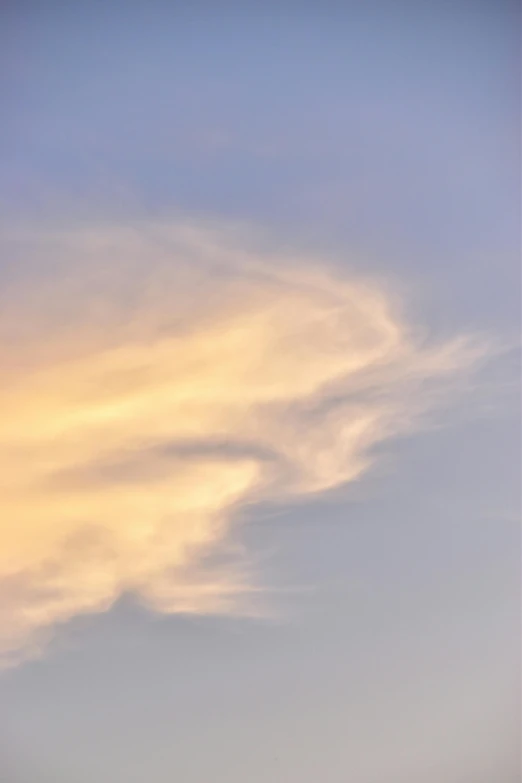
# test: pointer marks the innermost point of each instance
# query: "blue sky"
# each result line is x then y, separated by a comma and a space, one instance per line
259, 174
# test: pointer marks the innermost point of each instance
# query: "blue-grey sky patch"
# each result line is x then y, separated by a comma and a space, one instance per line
380, 143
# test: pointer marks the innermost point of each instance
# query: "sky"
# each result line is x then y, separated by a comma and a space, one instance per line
260, 431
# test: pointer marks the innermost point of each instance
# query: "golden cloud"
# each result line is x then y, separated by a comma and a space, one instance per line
153, 381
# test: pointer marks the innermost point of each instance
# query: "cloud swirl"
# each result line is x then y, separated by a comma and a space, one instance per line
155, 379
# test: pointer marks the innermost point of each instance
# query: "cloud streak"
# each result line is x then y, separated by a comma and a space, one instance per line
156, 379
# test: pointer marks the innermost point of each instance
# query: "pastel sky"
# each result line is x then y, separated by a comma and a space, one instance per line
260, 435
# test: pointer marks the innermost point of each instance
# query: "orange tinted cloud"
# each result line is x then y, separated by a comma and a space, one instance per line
153, 381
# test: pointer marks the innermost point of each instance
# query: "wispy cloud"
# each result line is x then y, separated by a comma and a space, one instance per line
155, 379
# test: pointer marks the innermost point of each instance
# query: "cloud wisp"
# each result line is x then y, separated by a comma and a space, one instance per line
156, 379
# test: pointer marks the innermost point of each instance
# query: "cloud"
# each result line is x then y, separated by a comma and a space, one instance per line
156, 379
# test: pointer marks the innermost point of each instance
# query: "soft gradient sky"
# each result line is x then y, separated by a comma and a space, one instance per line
260, 450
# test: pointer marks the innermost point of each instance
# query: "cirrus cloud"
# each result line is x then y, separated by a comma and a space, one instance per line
153, 381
